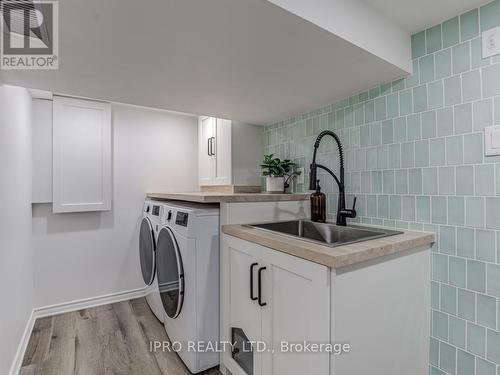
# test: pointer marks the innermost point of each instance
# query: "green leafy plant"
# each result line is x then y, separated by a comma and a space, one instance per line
276, 167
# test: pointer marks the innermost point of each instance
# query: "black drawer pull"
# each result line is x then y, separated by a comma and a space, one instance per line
212, 141
251, 281
260, 287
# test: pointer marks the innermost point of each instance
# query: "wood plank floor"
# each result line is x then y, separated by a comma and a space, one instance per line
110, 339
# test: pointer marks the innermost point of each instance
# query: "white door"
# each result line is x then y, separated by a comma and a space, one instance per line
206, 150
297, 297
223, 160
241, 315
81, 151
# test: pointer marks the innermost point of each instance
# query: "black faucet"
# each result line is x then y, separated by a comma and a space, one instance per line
342, 212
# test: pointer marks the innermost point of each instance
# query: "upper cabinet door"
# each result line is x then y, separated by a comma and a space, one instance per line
81, 150
223, 164
206, 150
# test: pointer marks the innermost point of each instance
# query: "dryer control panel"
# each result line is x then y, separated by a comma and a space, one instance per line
182, 219
156, 210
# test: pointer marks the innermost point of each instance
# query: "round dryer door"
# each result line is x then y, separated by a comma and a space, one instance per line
170, 273
147, 251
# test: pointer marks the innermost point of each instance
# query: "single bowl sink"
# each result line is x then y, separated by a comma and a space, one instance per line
325, 233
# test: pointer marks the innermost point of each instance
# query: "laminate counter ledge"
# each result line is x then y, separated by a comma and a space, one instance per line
334, 257
217, 197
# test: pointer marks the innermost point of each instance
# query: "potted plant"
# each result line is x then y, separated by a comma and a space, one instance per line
275, 170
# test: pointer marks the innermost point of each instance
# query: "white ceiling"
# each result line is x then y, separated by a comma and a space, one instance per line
419, 15
247, 60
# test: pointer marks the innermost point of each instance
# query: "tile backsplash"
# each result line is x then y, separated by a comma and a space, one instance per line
415, 160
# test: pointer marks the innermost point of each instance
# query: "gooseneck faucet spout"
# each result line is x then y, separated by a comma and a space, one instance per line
342, 212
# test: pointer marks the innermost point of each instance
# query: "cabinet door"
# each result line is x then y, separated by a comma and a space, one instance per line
81, 149
223, 163
297, 293
206, 150
240, 314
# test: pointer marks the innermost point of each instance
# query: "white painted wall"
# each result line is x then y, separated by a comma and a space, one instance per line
83, 255
16, 267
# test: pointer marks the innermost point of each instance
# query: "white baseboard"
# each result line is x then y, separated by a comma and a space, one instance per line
23, 344
61, 308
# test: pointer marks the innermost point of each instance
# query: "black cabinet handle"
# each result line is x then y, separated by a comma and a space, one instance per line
212, 144
251, 281
261, 269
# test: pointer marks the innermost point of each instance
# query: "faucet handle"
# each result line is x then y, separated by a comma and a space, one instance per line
351, 213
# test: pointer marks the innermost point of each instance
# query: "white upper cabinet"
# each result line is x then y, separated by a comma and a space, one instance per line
206, 136
81, 152
222, 175
229, 153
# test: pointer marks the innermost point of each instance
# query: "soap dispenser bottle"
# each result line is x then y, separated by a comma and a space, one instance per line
318, 205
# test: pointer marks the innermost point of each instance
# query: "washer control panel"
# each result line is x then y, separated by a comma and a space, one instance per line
182, 219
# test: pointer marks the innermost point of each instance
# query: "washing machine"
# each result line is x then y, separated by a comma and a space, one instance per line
148, 235
188, 279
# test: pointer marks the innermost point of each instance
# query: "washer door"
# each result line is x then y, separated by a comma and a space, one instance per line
147, 251
170, 272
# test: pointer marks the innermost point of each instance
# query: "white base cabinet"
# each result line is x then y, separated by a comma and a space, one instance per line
382, 309
273, 298
379, 309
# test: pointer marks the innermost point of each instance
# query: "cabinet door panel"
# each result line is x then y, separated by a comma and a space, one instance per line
81, 155
223, 153
298, 309
238, 309
206, 136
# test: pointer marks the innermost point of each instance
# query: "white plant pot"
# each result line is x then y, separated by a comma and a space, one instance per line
275, 184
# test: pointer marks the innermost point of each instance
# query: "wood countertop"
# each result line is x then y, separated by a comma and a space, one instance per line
334, 257
215, 197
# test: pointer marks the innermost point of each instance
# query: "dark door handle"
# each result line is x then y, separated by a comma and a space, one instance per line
261, 269
251, 281
212, 148
208, 146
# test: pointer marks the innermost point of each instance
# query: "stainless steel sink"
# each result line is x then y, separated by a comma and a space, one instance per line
325, 233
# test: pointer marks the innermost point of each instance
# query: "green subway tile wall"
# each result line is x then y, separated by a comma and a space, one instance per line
414, 159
